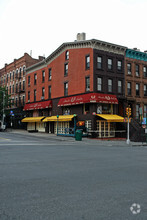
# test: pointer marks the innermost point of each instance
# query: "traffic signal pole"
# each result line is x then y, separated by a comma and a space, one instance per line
128, 113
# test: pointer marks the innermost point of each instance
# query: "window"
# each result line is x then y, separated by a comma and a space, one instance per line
35, 95
109, 64
28, 96
35, 78
19, 86
88, 62
23, 100
10, 76
145, 71
49, 74
137, 70
109, 85
24, 69
13, 75
129, 88
129, 68
23, 85
43, 93
137, 111
19, 100
145, 111
43, 76
119, 86
28, 80
7, 77
16, 88
119, 65
49, 92
16, 101
65, 69
87, 83
13, 89
99, 62
86, 108
10, 89
99, 84
65, 88
137, 89
145, 90
20, 72
67, 55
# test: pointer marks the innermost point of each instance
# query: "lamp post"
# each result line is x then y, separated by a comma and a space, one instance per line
57, 124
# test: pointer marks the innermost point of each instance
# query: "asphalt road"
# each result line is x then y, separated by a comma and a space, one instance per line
44, 178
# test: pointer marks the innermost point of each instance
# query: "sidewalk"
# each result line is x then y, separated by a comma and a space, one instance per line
115, 142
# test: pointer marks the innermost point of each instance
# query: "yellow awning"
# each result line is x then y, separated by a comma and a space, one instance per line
32, 119
111, 118
61, 118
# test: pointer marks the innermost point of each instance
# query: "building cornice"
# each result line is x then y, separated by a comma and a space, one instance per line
135, 54
94, 44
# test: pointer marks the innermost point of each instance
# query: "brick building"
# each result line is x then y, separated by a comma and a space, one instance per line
13, 76
85, 79
136, 82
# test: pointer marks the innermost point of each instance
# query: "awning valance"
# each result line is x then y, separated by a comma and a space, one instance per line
38, 105
60, 118
88, 98
111, 118
32, 119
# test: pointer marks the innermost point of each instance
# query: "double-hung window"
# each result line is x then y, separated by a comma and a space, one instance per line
129, 88
119, 65
35, 79
99, 84
49, 92
43, 93
137, 70
87, 83
49, 74
137, 89
145, 71
43, 76
109, 85
65, 88
88, 62
145, 90
129, 68
35, 95
119, 86
65, 69
110, 64
99, 62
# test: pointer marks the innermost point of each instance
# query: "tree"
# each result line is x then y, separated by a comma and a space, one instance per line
5, 101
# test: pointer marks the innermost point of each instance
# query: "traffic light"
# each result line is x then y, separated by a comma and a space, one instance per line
129, 111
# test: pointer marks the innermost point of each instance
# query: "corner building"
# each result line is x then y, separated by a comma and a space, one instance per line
82, 82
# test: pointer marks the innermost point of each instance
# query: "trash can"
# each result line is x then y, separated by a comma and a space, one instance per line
78, 136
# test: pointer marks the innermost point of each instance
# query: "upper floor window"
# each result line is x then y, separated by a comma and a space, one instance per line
35, 95
23, 85
99, 84
129, 68
119, 65
145, 71
110, 64
13, 88
20, 72
49, 92
137, 89
10, 76
23, 100
43, 93
49, 74
28, 96
88, 62
16, 87
67, 55
19, 86
145, 90
137, 70
119, 86
29, 80
16, 73
129, 88
65, 69
87, 83
13, 75
65, 88
35, 78
43, 76
99, 62
24, 69
7, 77
109, 85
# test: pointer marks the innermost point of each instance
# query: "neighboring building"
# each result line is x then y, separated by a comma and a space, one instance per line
13, 77
83, 78
136, 82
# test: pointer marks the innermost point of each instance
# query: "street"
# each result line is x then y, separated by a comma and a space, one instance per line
49, 178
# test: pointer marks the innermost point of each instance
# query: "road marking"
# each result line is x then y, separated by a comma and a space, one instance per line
5, 139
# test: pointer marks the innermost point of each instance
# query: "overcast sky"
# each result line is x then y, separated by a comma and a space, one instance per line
41, 26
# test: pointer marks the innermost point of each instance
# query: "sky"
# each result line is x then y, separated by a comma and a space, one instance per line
39, 27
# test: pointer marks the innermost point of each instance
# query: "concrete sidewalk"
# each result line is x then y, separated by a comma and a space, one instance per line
109, 142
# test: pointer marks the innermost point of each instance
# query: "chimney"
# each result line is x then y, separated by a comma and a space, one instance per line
81, 36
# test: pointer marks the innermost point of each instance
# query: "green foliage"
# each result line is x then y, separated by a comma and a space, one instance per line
5, 101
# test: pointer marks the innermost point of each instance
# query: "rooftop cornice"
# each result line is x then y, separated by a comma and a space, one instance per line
135, 54
95, 44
